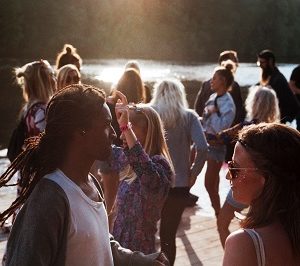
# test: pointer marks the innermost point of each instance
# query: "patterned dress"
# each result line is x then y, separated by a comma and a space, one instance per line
139, 203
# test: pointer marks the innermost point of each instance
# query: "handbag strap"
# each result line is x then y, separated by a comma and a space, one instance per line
259, 246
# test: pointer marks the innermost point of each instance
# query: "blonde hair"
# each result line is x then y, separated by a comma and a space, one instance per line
63, 74
262, 104
169, 99
37, 80
144, 116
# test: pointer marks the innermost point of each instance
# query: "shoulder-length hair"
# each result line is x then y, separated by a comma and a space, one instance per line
131, 85
37, 80
169, 99
262, 105
274, 149
155, 143
63, 75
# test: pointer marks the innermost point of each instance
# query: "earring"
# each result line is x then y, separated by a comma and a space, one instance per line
83, 132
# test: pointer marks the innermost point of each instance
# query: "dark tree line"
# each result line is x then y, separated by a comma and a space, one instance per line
194, 30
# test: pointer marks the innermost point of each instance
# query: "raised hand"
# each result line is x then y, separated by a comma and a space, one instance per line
121, 109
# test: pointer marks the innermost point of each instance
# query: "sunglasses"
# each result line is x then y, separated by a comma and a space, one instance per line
234, 171
72, 79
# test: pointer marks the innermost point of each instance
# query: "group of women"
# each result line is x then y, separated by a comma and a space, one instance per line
151, 169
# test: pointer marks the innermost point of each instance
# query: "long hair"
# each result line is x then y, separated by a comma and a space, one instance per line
131, 85
69, 110
262, 105
147, 118
169, 99
63, 76
37, 80
271, 147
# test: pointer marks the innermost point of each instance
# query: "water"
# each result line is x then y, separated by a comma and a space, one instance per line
110, 70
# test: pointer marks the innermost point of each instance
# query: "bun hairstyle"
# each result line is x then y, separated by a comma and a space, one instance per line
226, 73
229, 64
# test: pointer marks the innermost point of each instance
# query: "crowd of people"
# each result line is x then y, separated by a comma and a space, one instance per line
98, 173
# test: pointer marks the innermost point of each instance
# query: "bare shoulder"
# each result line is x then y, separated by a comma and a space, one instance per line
239, 249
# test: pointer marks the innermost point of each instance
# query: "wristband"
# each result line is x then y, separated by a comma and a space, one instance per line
126, 127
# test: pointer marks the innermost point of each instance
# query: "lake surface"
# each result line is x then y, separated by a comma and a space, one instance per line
110, 70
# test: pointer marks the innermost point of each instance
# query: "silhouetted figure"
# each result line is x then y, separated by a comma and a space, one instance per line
68, 56
148, 91
295, 87
271, 76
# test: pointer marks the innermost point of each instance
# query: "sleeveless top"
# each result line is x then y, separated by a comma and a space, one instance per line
259, 246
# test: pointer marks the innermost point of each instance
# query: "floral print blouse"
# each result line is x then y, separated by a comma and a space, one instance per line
139, 203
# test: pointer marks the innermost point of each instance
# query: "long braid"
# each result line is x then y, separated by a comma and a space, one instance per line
16, 165
68, 110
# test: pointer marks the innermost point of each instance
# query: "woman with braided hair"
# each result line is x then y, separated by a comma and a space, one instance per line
63, 220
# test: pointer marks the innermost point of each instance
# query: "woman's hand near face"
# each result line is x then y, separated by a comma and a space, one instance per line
122, 114
121, 109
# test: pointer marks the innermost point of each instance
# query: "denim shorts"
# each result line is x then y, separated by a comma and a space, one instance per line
231, 201
217, 153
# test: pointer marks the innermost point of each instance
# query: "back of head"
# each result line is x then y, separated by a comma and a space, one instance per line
229, 64
267, 54
131, 85
68, 55
63, 76
38, 80
69, 48
133, 64
169, 99
262, 105
271, 147
228, 55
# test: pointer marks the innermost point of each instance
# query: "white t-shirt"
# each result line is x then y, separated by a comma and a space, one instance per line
88, 237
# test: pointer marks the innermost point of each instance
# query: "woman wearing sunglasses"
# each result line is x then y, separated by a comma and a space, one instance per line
146, 175
67, 75
265, 174
262, 106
